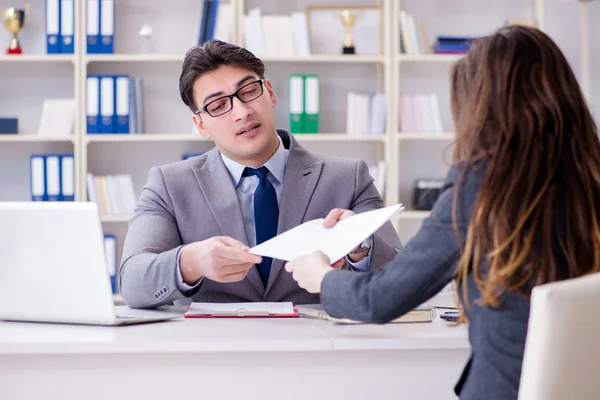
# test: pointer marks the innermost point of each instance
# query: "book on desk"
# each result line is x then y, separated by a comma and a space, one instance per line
423, 313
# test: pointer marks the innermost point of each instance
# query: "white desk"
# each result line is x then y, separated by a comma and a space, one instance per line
229, 358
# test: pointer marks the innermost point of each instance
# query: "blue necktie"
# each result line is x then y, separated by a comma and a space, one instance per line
266, 215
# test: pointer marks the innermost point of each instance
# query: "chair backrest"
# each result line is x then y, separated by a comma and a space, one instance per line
562, 350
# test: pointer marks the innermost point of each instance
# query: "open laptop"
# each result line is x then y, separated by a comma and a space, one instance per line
53, 266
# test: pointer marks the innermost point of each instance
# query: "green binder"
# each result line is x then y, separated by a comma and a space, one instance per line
312, 96
296, 103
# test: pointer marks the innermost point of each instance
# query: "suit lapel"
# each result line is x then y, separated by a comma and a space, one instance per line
301, 176
215, 183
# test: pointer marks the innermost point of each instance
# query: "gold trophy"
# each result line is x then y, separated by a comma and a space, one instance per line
348, 19
14, 20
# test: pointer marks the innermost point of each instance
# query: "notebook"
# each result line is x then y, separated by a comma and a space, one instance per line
242, 310
422, 313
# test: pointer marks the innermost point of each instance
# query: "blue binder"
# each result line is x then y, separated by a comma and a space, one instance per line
110, 250
107, 26
67, 177
204, 21
212, 20
53, 37
37, 177
52, 177
92, 28
67, 26
185, 156
93, 104
107, 104
122, 110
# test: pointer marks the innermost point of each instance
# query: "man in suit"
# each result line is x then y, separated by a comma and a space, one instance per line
196, 219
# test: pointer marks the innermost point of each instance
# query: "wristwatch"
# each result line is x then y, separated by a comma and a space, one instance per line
364, 246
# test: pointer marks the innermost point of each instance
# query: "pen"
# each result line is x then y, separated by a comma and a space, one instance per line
451, 316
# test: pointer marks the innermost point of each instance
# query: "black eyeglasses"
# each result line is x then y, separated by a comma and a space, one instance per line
223, 105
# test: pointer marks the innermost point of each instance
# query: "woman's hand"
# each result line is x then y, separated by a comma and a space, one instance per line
309, 270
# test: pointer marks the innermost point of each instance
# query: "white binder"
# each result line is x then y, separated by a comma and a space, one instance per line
67, 179
38, 178
107, 104
53, 178
67, 26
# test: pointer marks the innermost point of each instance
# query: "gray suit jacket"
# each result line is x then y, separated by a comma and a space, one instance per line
195, 199
426, 264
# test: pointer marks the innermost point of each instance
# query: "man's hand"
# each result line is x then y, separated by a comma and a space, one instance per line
339, 214
221, 259
335, 215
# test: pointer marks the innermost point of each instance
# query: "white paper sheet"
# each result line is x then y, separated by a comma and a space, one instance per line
335, 242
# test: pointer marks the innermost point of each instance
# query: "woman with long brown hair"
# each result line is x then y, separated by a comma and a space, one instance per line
520, 207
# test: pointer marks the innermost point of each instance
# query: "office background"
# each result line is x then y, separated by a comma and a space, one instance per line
387, 104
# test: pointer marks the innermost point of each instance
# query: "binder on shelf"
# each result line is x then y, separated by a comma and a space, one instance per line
138, 111
107, 105
37, 177
311, 103
185, 156
67, 177
67, 26
133, 120
53, 37
110, 251
296, 101
208, 20
122, 101
93, 104
203, 22
52, 177
93, 26
212, 19
107, 26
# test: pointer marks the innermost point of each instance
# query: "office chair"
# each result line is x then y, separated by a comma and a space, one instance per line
562, 349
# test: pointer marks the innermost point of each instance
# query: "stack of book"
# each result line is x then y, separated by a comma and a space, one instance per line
276, 35
114, 194
365, 113
413, 34
420, 113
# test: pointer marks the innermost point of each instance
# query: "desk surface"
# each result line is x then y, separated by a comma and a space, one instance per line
226, 335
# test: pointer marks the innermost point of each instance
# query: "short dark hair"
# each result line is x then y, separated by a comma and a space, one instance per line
208, 57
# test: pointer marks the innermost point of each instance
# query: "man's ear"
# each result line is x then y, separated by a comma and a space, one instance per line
200, 126
271, 92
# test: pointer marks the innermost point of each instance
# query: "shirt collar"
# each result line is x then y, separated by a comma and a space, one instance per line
276, 164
